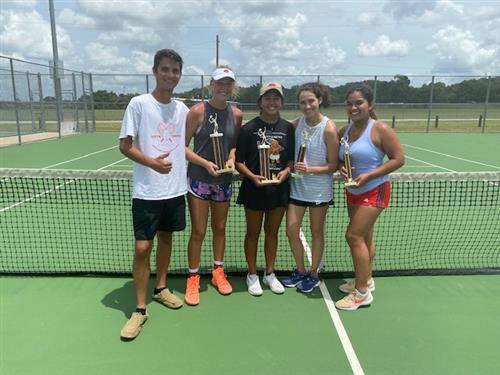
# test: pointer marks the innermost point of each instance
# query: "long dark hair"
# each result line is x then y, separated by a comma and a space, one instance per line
367, 94
319, 90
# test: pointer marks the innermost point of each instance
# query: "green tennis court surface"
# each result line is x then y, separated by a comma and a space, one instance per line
420, 325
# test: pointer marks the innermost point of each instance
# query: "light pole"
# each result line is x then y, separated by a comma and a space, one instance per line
57, 79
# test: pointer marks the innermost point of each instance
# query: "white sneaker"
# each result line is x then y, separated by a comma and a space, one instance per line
273, 283
349, 286
253, 285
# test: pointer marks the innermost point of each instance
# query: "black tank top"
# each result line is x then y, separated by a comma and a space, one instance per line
203, 143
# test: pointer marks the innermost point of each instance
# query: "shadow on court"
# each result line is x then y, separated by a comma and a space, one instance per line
123, 298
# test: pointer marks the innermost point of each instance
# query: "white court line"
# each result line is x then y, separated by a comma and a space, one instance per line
334, 315
80, 157
109, 165
430, 164
451, 156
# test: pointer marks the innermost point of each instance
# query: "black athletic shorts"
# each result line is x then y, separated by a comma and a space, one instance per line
263, 198
150, 216
297, 202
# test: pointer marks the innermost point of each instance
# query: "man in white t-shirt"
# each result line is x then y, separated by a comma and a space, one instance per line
152, 135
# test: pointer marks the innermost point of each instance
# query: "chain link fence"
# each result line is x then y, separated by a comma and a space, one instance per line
30, 108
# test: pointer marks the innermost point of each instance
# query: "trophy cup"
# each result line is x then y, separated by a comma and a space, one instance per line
302, 153
219, 158
347, 163
265, 170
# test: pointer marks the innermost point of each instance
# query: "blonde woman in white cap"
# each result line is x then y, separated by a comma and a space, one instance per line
265, 204
209, 190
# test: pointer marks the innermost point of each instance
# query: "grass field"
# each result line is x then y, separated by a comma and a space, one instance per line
408, 118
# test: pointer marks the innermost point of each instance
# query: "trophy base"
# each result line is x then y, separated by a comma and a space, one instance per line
225, 170
350, 184
296, 175
269, 182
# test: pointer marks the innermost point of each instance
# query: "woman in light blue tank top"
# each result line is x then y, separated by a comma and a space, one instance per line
313, 187
368, 141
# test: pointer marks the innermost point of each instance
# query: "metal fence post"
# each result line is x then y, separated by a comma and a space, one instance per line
431, 98
202, 94
147, 83
42, 104
15, 101
30, 97
75, 102
92, 108
486, 100
84, 98
374, 89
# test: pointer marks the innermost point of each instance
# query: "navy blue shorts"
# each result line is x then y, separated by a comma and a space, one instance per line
150, 216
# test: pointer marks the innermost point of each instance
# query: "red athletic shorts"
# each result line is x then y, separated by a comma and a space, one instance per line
377, 197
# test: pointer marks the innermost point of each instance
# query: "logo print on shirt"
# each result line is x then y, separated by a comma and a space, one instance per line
166, 138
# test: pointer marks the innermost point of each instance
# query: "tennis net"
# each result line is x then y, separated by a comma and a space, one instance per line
79, 222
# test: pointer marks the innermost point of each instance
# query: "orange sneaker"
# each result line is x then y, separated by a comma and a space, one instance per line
192, 296
219, 280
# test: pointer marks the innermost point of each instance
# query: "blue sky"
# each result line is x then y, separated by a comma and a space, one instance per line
261, 37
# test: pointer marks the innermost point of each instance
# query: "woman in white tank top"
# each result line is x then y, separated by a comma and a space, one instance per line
314, 188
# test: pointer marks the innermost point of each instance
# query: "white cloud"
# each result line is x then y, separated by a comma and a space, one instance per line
18, 4
106, 59
426, 12
130, 35
366, 19
457, 51
70, 18
26, 34
383, 46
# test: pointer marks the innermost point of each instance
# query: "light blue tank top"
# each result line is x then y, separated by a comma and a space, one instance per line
317, 188
365, 156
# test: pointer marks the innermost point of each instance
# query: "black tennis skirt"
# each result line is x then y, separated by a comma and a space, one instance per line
263, 198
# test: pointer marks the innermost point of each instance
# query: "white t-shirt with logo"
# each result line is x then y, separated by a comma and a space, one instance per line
157, 128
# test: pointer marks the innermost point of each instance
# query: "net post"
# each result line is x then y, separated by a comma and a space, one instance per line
480, 121
436, 121
393, 121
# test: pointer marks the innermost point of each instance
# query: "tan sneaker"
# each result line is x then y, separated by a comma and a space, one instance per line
132, 328
167, 298
354, 300
219, 280
349, 286
192, 296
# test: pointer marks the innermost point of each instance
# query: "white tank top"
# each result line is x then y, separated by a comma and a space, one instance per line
317, 188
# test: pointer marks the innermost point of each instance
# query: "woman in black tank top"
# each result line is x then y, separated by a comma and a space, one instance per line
209, 191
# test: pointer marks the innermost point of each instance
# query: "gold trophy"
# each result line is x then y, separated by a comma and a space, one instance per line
265, 171
302, 153
347, 163
220, 160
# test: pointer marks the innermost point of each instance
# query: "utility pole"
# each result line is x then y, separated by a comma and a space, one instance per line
57, 79
217, 50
